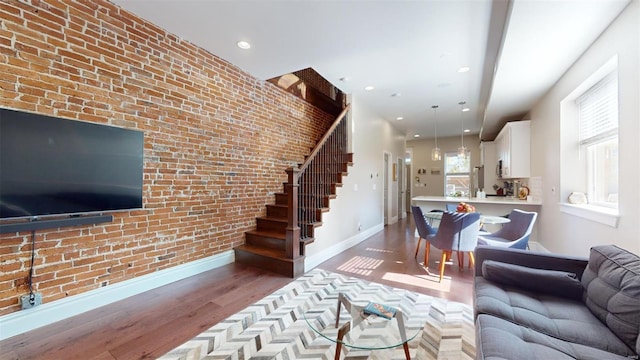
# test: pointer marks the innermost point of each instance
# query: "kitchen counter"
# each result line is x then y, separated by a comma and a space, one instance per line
489, 200
493, 206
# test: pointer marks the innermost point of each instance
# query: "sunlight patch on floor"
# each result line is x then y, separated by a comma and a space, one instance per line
379, 250
427, 281
360, 265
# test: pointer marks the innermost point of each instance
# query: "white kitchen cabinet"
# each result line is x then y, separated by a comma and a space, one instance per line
513, 148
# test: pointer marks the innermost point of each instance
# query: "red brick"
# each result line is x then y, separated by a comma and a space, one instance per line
203, 119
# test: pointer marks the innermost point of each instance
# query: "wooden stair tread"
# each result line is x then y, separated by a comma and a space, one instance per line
266, 252
268, 233
278, 205
307, 241
274, 218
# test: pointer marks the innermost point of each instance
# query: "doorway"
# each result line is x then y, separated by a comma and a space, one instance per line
402, 188
385, 188
408, 180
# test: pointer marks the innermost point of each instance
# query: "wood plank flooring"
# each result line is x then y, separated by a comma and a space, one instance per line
150, 324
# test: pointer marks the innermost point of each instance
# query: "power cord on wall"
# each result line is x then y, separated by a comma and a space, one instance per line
32, 295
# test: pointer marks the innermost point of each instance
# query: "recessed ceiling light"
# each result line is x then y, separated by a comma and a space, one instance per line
369, 88
416, 135
467, 130
465, 109
464, 69
243, 45
399, 118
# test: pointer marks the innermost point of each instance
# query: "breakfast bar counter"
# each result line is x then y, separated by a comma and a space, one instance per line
499, 200
492, 206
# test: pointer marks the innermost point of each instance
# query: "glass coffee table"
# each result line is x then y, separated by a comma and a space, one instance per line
365, 327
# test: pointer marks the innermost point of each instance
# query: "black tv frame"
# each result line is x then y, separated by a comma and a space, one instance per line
36, 224
36, 221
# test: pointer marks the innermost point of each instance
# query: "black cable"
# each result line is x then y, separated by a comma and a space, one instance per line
32, 295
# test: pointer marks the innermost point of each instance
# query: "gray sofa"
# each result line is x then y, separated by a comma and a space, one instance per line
531, 305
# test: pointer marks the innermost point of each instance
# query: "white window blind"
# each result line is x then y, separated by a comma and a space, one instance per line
598, 110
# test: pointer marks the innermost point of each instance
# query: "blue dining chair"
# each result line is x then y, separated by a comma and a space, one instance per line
514, 234
423, 227
457, 232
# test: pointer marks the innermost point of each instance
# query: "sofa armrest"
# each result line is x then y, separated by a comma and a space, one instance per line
532, 259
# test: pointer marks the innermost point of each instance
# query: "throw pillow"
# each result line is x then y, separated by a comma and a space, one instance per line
551, 282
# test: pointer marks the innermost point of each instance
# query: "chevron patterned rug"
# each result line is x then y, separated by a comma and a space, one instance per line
275, 327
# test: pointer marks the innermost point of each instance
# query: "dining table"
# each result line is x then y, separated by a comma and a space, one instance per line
484, 219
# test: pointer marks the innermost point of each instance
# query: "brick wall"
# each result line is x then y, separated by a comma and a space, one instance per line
217, 141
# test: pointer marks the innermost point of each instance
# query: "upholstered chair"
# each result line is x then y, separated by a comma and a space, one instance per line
457, 232
514, 234
423, 227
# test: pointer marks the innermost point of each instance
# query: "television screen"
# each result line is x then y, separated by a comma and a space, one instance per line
53, 166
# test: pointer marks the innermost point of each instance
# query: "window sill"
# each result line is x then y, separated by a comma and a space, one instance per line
598, 214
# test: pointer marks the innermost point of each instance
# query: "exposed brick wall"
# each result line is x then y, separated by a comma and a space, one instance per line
217, 141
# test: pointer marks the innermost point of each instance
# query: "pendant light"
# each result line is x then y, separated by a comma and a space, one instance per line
462, 151
436, 154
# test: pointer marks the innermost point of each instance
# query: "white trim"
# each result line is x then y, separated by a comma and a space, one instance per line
312, 261
598, 214
536, 246
26, 320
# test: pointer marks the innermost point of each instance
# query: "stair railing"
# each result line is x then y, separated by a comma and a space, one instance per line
309, 185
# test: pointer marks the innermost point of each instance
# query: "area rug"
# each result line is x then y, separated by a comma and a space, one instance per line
277, 327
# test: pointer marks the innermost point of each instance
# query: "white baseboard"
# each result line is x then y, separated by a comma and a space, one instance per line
26, 320
312, 261
536, 246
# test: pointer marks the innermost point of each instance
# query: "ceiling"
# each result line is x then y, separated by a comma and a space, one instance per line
410, 51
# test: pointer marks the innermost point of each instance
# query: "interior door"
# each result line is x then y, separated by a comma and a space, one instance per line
401, 189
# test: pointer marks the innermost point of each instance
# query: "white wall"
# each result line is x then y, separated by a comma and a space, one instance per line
564, 233
421, 159
360, 199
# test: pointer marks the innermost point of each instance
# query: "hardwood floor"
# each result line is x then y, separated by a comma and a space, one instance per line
150, 324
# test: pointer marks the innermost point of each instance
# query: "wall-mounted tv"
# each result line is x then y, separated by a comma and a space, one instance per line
54, 166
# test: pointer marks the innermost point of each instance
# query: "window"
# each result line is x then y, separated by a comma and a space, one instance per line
589, 147
456, 174
598, 138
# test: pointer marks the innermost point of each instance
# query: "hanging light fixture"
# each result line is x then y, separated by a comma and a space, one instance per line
436, 154
462, 151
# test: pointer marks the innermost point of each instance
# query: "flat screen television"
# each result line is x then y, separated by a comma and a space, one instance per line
54, 166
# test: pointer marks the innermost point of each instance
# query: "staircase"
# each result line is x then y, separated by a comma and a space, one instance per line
278, 243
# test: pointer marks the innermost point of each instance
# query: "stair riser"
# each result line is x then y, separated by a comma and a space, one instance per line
277, 211
310, 229
265, 241
283, 267
266, 224
281, 199
311, 213
315, 203
321, 188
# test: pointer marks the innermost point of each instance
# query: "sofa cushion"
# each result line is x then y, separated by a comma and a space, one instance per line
562, 318
612, 284
500, 339
559, 283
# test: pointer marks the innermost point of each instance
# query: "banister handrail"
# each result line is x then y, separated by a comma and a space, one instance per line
324, 138
309, 186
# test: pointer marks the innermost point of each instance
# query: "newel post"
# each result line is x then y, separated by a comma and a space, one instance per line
292, 244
